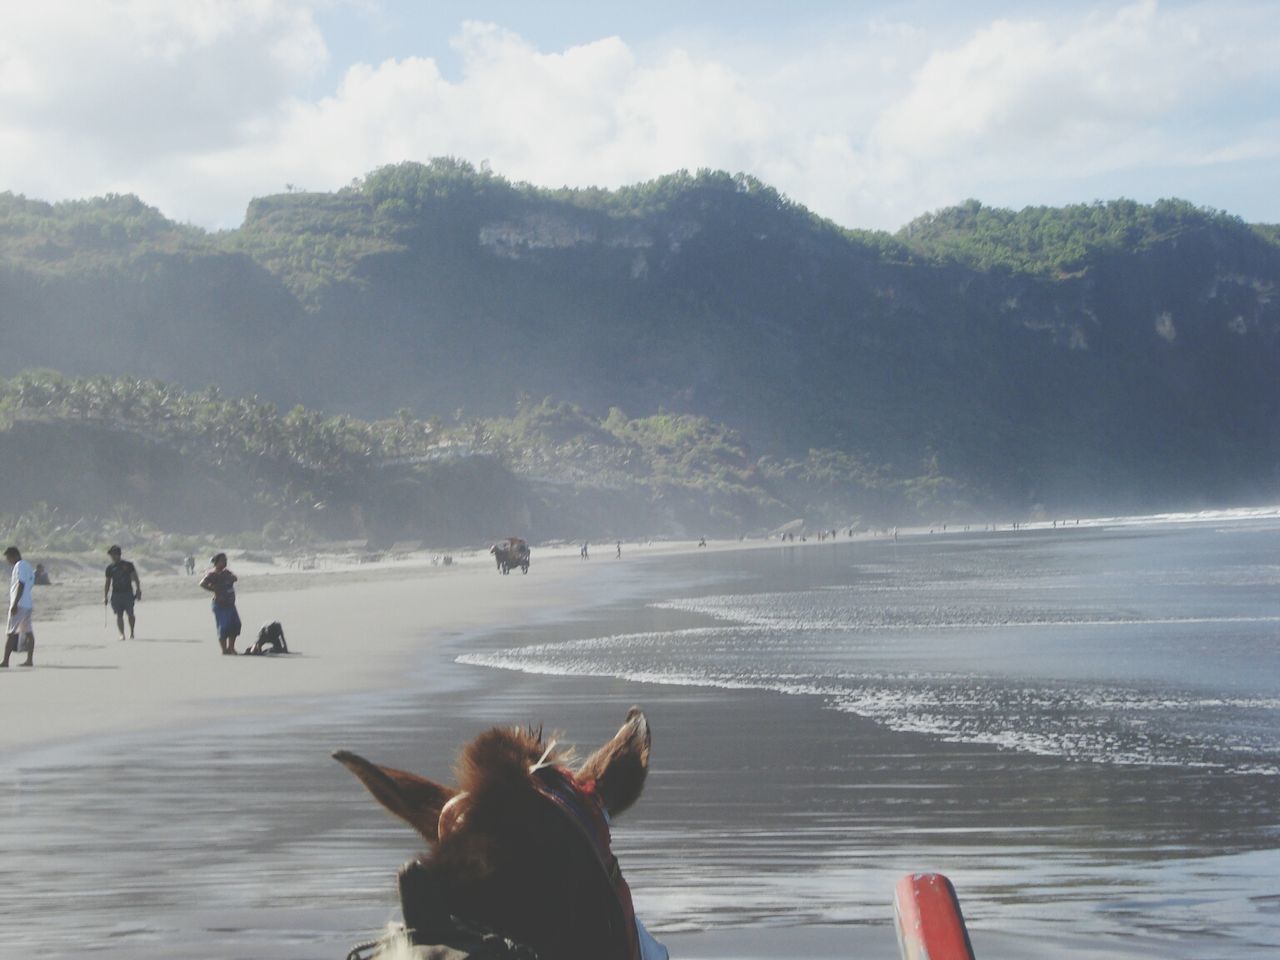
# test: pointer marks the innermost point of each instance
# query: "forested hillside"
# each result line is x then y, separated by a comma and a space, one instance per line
1102, 356
87, 458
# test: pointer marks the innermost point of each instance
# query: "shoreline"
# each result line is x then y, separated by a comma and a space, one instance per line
166, 762
352, 627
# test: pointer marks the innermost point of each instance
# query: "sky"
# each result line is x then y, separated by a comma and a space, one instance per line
868, 113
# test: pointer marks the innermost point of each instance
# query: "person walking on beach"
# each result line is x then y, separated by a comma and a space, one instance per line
121, 589
22, 582
221, 582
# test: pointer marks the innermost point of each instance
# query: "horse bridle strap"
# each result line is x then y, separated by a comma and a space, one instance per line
462, 942
586, 810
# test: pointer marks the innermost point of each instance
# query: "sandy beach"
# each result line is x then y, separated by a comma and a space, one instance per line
169, 802
350, 627
349, 630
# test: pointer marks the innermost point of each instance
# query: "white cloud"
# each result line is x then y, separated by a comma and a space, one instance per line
1107, 94
110, 75
591, 114
98, 96
200, 105
1022, 84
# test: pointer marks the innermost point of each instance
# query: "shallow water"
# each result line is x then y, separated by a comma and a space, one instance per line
1142, 647
1080, 729
1080, 726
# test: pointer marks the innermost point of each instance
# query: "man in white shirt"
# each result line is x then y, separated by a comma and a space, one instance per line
21, 584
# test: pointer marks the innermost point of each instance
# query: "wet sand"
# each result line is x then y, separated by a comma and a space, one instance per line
162, 801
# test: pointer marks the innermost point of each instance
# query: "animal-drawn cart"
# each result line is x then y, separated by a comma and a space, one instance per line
509, 554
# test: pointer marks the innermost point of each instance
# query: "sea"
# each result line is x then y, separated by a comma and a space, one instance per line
1077, 722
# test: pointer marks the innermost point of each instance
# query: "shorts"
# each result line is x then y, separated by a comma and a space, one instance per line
228, 620
20, 622
122, 602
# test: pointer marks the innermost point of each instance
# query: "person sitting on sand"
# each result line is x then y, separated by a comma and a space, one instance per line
270, 640
221, 582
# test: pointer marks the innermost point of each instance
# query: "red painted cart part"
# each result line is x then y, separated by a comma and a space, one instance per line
930, 925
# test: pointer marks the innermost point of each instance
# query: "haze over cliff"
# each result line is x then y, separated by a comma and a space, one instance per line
1103, 356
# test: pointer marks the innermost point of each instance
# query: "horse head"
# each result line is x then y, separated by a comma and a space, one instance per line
520, 848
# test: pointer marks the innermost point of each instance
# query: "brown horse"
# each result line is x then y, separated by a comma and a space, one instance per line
520, 850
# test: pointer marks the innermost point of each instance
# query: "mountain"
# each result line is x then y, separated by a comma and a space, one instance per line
1102, 356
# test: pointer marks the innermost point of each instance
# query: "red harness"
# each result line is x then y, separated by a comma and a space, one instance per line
587, 812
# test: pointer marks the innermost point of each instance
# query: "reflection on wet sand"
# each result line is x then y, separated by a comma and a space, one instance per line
771, 824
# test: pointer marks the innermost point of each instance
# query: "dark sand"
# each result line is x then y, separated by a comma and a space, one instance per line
770, 826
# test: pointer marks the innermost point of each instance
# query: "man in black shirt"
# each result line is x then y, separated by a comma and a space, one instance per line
123, 587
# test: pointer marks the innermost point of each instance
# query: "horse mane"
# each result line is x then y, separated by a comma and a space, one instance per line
501, 758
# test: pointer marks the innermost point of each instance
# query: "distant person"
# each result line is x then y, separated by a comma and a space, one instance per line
583, 552
121, 589
22, 581
221, 582
702, 541
190, 564
619, 549
42, 576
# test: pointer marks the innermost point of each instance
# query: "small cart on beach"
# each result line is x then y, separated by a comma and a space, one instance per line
509, 554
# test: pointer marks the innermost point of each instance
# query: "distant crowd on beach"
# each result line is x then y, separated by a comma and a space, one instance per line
789, 536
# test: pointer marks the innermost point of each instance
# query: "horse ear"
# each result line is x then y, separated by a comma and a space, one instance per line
619, 767
414, 799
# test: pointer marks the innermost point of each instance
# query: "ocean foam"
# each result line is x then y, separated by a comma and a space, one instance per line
1101, 723
1116, 649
